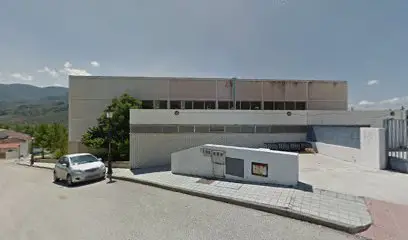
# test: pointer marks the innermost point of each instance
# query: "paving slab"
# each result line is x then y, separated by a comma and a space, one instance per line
336, 210
331, 209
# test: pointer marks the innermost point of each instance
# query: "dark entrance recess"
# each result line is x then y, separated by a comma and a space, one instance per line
289, 146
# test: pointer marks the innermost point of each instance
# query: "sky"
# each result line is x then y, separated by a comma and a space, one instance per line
364, 42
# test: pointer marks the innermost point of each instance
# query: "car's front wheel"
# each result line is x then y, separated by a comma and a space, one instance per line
69, 180
55, 178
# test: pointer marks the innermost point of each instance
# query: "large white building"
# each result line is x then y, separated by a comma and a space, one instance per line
180, 113
89, 95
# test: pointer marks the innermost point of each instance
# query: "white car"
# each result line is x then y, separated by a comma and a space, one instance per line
79, 167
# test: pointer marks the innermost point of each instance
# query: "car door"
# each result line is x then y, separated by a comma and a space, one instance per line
58, 166
64, 167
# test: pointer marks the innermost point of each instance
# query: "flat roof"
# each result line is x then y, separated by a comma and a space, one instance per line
204, 79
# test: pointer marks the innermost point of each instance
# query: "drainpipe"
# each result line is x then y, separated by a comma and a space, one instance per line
233, 93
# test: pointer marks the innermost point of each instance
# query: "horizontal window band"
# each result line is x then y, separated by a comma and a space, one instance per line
199, 128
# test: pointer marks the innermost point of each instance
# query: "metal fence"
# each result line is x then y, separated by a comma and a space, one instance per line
396, 137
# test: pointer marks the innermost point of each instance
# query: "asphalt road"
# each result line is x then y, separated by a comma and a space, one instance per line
32, 207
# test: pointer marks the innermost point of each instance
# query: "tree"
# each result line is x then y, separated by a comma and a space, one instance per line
96, 137
41, 137
57, 139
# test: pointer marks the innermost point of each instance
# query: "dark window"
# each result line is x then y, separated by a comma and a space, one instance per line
300, 105
169, 129
223, 105
162, 104
61, 160
186, 129
245, 105
188, 105
209, 105
146, 129
279, 105
289, 106
262, 129
237, 104
256, 106
198, 105
202, 129
216, 128
147, 104
233, 129
268, 105
175, 104
247, 129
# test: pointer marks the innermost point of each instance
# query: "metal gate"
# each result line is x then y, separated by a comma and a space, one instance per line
396, 137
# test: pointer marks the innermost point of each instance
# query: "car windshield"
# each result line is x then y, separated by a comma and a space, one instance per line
83, 159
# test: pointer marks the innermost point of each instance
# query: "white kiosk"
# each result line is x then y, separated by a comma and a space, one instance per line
238, 163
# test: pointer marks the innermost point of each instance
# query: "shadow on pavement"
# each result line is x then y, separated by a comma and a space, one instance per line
151, 170
110, 182
80, 184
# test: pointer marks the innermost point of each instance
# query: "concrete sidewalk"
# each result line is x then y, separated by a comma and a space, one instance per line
335, 210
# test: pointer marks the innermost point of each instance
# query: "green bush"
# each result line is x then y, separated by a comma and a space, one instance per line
59, 153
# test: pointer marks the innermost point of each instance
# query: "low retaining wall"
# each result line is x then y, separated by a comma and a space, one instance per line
152, 150
371, 152
236, 163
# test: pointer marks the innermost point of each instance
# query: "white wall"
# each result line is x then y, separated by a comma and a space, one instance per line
191, 162
371, 153
24, 148
343, 153
12, 154
372, 145
149, 150
283, 167
157, 116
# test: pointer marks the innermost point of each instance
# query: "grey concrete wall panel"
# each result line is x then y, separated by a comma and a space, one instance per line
235, 167
346, 136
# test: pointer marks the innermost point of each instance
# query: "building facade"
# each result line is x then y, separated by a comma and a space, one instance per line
89, 95
156, 134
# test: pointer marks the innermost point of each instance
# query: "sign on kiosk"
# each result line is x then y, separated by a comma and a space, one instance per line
260, 169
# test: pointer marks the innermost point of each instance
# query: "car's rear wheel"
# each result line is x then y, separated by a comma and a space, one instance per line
69, 180
55, 177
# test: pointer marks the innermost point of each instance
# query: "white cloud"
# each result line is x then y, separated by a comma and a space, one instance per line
21, 76
53, 73
373, 82
365, 103
95, 64
69, 70
392, 100
67, 65
391, 103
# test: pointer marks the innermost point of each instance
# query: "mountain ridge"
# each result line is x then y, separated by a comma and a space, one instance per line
24, 103
18, 92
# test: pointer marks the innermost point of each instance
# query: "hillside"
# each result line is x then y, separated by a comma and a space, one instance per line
27, 103
19, 92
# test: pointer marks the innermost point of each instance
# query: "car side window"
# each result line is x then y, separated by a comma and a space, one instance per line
61, 160
66, 161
